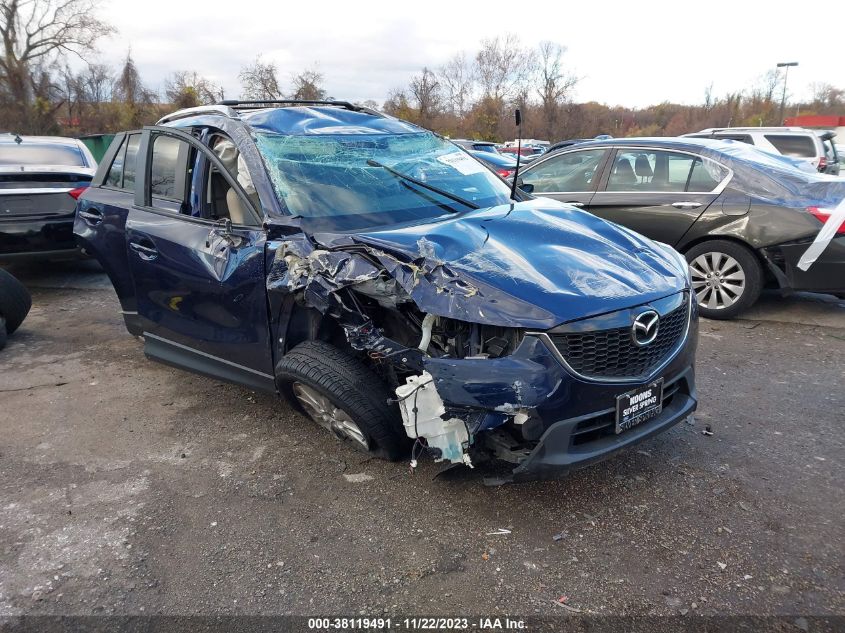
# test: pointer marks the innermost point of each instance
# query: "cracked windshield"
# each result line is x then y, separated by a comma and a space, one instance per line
328, 180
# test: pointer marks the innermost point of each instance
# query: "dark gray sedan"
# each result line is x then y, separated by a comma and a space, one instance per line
742, 217
40, 179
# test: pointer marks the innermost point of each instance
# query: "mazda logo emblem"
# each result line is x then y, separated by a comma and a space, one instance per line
644, 329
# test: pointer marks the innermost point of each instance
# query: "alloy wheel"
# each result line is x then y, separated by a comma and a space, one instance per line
320, 409
717, 279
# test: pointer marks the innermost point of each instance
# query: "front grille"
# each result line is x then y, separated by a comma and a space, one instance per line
613, 353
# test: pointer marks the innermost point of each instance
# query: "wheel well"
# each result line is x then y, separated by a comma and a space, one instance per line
768, 277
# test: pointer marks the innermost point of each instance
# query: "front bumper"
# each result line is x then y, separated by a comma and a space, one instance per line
572, 417
583, 440
50, 237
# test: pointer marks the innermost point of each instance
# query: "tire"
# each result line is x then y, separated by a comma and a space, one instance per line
3, 334
353, 388
736, 278
15, 301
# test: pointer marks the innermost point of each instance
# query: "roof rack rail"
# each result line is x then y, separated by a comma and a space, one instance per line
244, 104
219, 108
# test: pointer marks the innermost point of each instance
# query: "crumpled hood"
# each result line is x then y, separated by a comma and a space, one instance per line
533, 264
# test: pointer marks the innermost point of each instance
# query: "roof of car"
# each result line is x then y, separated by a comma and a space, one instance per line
299, 119
672, 141
774, 128
468, 140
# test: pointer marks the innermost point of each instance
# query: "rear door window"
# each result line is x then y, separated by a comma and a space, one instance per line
168, 168
115, 176
122, 171
658, 171
796, 145
130, 164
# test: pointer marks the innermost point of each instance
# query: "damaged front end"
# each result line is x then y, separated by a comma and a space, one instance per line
380, 319
473, 365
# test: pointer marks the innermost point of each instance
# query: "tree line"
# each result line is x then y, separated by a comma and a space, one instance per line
473, 95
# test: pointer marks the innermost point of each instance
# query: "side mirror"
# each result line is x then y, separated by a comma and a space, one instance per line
527, 187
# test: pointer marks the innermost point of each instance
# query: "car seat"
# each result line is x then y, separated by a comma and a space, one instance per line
232, 161
643, 169
622, 176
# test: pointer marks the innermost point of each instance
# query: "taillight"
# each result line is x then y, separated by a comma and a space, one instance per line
823, 215
822, 163
75, 193
505, 173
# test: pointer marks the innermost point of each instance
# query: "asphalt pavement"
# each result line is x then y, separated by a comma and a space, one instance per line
129, 487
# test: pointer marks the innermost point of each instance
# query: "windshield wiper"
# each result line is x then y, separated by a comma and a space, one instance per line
419, 183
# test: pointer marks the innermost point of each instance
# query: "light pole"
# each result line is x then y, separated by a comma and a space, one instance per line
785, 77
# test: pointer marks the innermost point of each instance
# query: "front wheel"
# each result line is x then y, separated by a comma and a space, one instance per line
726, 278
344, 396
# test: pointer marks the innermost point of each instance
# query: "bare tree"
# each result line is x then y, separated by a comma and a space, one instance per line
826, 98
136, 98
35, 34
554, 84
397, 105
129, 88
502, 67
308, 86
260, 81
188, 89
97, 83
456, 79
766, 86
425, 92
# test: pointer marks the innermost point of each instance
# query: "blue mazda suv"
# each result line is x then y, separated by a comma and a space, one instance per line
388, 285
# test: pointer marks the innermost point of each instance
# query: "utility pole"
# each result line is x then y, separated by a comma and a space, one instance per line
786, 65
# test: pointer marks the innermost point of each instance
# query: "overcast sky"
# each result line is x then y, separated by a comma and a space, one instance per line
628, 53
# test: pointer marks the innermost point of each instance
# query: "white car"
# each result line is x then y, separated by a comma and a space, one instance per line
794, 142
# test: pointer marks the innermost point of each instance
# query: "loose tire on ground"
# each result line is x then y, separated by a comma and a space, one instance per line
3, 334
749, 267
15, 301
352, 387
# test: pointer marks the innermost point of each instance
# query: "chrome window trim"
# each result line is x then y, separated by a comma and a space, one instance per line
717, 190
547, 341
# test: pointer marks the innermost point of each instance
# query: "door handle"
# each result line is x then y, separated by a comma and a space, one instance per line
146, 250
91, 215
576, 204
686, 205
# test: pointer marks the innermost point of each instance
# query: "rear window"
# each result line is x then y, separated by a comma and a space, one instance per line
40, 154
793, 145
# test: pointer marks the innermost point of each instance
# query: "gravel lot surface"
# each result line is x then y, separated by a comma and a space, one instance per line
129, 487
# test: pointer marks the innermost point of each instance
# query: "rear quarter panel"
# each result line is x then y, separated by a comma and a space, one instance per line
756, 223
